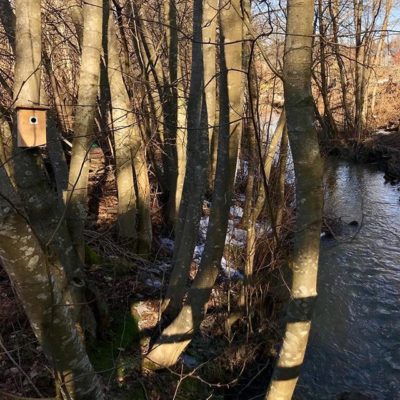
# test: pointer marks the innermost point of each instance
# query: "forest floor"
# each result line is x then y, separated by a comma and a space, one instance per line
221, 363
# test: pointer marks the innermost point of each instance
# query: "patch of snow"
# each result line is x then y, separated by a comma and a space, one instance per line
164, 267
189, 361
262, 229
203, 227
198, 252
167, 243
241, 197
236, 212
230, 272
156, 283
236, 237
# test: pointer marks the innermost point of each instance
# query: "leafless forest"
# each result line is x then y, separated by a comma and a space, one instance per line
161, 196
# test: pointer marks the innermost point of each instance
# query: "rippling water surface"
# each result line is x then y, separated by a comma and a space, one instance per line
355, 338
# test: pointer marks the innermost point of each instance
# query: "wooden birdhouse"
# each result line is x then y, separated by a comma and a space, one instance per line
31, 123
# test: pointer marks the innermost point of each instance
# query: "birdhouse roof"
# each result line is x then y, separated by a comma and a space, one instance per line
33, 107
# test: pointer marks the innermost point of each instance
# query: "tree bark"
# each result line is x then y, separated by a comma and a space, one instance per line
76, 197
40, 282
308, 175
195, 176
175, 338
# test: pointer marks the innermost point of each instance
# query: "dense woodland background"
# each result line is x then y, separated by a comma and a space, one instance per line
174, 215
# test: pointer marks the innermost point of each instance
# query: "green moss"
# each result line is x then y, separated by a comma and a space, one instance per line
192, 389
108, 356
92, 257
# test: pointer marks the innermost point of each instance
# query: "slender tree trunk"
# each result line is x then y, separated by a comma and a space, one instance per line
84, 121
334, 13
210, 79
123, 125
181, 143
249, 125
76, 14
359, 82
166, 351
133, 208
171, 107
308, 174
7, 19
195, 177
262, 197
282, 164
328, 117
378, 53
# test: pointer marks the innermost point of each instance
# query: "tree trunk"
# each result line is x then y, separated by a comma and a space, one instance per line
195, 177
76, 198
40, 282
210, 79
175, 338
308, 175
334, 13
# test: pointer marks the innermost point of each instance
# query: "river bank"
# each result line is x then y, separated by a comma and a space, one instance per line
381, 148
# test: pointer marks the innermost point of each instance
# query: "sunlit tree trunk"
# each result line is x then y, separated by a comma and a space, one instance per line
378, 52
334, 14
40, 282
175, 338
360, 81
282, 165
308, 175
76, 14
39, 257
181, 142
76, 198
123, 126
328, 117
210, 79
249, 126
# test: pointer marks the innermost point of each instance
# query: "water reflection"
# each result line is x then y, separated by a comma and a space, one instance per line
355, 338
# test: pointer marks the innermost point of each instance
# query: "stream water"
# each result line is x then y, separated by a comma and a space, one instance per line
354, 345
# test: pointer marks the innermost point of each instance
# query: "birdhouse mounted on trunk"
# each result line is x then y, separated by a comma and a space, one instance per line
31, 124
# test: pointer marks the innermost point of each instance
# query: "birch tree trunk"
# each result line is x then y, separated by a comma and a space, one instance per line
308, 174
84, 121
175, 338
